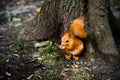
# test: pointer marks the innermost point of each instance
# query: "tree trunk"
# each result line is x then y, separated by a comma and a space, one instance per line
99, 25
55, 18
115, 15
102, 39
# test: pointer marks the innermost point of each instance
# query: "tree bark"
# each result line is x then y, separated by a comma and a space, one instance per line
102, 39
55, 18
99, 25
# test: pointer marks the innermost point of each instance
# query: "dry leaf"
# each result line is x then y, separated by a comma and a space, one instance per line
38, 9
74, 65
7, 73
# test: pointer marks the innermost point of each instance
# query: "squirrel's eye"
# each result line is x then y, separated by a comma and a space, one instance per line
67, 40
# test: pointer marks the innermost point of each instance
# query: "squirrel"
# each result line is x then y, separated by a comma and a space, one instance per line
70, 41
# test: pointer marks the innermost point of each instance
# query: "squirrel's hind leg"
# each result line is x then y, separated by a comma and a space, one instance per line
68, 56
75, 57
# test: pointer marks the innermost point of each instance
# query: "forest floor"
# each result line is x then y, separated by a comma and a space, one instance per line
21, 60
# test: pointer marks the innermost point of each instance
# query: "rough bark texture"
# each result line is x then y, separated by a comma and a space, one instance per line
44, 22
102, 41
55, 18
99, 25
69, 10
115, 15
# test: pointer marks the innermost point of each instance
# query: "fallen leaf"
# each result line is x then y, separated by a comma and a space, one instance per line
29, 77
38, 9
14, 19
74, 65
7, 73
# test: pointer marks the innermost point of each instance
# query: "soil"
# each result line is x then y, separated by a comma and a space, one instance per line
16, 64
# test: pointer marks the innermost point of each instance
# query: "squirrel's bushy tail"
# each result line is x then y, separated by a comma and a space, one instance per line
77, 28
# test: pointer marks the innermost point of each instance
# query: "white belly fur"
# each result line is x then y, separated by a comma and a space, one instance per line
74, 52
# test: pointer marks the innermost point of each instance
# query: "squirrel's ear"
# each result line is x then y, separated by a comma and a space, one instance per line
65, 32
82, 17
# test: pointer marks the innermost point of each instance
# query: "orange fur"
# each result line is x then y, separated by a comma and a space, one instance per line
70, 43
77, 28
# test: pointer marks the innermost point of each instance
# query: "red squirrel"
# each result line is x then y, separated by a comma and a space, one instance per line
70, 41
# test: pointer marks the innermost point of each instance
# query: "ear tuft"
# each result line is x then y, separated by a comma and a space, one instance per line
82, 18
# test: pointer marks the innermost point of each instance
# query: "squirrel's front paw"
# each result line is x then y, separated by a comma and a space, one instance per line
62, 47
